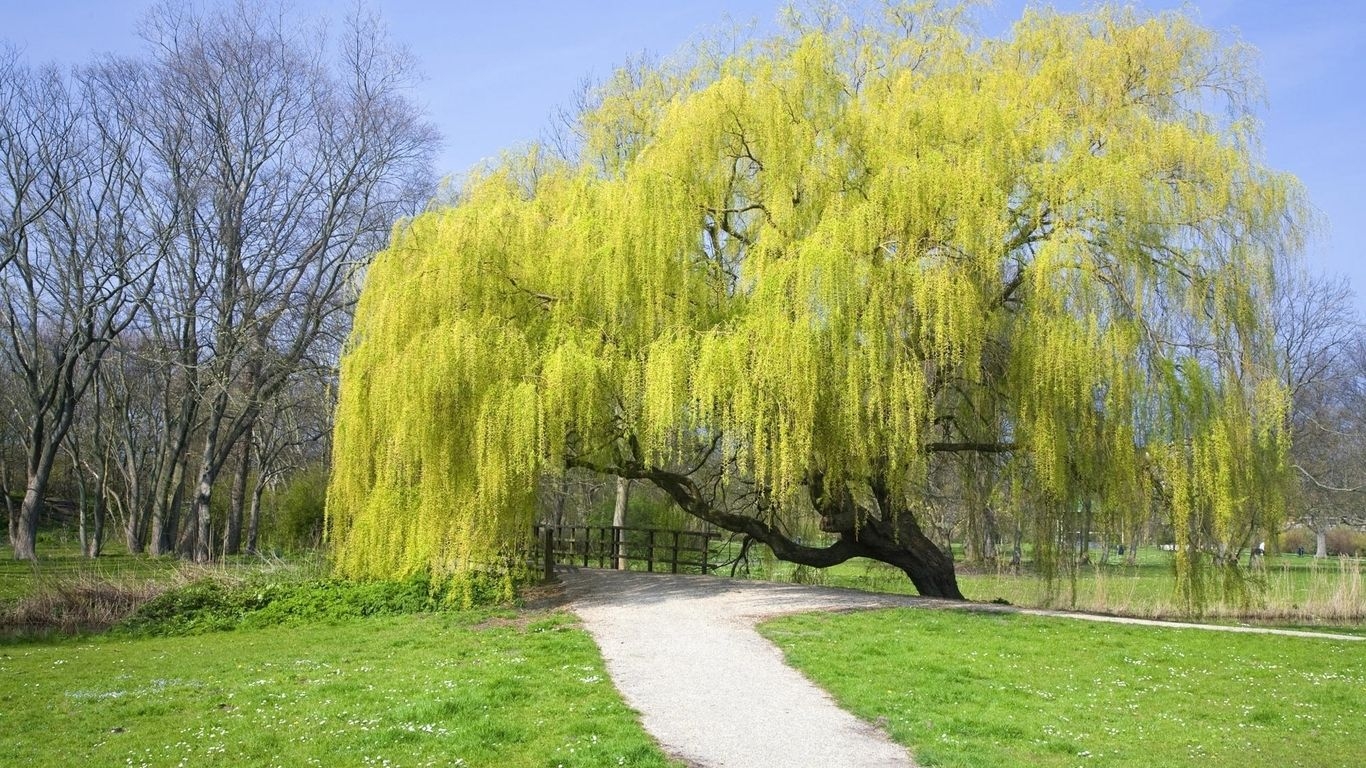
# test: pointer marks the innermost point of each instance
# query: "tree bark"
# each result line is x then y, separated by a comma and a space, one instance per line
42, 456
136, 517
166, 508
95, 546
25, 537
232, 534
254, 520
619, 520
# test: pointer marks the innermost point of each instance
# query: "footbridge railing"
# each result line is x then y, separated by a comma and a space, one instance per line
625, 548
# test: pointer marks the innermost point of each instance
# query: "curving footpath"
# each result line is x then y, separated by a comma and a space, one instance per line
684, 653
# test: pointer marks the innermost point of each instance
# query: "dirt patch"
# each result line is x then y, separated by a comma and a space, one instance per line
528, 620
542, 597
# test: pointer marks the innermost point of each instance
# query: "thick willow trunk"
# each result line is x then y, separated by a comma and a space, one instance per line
901, 543
889, 534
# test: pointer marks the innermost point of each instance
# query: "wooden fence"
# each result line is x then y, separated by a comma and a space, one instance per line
616, 547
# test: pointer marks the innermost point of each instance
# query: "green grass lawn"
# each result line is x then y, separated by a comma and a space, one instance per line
449, 689
967, 689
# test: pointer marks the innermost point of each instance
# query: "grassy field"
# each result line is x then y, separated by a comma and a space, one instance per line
1284, 590
527, 688
450, 689
965, 690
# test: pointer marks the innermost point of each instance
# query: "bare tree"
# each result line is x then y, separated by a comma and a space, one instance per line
75, 268
298, 166
1320, 340
272, 171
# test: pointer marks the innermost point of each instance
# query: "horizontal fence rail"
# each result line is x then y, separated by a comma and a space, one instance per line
617, 547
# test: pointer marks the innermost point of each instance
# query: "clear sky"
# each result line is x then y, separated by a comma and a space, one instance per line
496, 71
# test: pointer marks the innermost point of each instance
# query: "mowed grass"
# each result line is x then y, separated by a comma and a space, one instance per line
971, 689
446, 689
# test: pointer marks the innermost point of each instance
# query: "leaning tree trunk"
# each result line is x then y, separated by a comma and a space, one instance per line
890, 534
25, 536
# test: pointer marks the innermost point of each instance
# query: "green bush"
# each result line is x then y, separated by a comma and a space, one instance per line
296, 511
210, 605
201, 606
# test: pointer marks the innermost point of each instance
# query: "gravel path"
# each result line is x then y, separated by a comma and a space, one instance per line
683, 651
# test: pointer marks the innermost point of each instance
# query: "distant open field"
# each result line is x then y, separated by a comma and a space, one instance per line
1285, 589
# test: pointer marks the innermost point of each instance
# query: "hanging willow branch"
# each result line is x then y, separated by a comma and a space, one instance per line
1053, 249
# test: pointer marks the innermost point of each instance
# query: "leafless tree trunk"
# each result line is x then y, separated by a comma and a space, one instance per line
237, 498
619, 519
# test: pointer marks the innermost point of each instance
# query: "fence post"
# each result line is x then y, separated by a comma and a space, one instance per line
549, 536
650, 551
675, 565
706, 551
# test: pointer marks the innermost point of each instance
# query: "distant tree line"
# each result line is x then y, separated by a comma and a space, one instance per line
181, 233
1322, 341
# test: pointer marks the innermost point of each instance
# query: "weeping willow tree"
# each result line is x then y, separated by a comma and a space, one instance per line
786, 280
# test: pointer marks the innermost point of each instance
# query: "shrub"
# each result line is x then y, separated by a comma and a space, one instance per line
1295, 539
1345, 541
201, 606
297, 522
84, 603
211, 605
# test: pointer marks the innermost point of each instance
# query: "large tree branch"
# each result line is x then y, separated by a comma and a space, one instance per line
687, 495
1322, 485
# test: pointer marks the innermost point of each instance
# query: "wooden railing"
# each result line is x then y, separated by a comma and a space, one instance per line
616, 547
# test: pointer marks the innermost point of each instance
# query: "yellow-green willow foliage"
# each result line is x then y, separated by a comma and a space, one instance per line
846, 250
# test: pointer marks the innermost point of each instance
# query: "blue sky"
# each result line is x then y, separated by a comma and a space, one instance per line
496, 71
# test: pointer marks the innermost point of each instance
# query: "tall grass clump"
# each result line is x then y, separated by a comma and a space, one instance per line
78, 604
